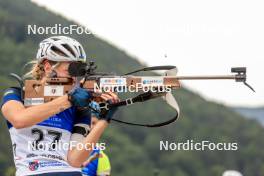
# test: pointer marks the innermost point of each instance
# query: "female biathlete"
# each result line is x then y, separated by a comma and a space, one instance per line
35, 130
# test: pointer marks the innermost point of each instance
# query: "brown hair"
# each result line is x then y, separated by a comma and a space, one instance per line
37, 69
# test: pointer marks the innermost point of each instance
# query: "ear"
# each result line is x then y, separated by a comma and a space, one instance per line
47, 66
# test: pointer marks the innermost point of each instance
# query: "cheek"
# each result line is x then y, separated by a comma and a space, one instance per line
62, 72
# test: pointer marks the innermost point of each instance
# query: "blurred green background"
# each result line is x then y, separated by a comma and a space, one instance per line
135, 150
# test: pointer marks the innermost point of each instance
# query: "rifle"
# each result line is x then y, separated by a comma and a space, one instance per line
36, 92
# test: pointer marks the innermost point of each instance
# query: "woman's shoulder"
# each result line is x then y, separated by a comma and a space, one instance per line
11, 93
12, 90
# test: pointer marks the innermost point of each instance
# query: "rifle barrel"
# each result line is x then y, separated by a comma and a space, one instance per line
206, 77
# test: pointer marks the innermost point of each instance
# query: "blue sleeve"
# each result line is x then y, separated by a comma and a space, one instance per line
11, 94
83, 116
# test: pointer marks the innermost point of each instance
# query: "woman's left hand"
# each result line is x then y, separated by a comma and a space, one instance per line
110, 98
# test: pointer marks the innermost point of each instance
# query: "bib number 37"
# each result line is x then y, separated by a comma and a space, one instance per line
38, 143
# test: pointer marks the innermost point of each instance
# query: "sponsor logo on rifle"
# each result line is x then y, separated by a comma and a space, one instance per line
113, 81
150, 81
53, 91
33, 101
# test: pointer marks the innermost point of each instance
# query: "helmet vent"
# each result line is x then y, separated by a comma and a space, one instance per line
67, 47
81, 53
57, 50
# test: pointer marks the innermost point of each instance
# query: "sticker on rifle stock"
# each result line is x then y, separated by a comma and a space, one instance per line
112, 82
33, 101
52, 90
152, 81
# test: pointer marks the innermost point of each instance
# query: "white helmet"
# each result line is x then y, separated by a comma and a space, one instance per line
231, 173
60, 48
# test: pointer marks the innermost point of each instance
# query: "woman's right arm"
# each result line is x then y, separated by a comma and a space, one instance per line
21, 117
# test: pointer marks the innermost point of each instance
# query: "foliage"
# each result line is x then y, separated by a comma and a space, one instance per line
133, 150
